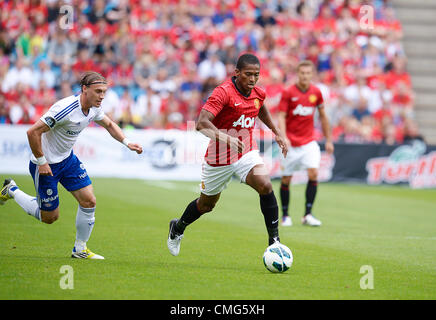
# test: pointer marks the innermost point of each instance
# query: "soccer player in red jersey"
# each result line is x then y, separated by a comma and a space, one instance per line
228, 119
296, 117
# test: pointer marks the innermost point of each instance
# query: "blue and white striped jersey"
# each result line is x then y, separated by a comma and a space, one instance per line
66, 120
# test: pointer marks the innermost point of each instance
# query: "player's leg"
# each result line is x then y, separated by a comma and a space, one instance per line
28, 203
76, 180
311, 161
285, 195
260, 181
193, 211
289, 165
85, 219
252, 171
44, 207
213, 181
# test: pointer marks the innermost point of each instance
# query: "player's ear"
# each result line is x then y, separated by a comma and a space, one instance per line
237, 72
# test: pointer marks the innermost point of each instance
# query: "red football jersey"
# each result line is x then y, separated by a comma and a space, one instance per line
235, 115
300, 110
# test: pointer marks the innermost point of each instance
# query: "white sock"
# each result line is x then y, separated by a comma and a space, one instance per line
28, 203
84, 224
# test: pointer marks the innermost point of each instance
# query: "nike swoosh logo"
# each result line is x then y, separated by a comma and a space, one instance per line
275, 221
237, 104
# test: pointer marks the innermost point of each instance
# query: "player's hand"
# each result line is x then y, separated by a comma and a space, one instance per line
135, 147
283, 144
45, 170
236, 145
329, 147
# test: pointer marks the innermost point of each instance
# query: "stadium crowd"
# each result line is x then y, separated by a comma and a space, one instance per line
163, 58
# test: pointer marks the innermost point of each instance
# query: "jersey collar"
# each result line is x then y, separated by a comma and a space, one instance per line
234, 83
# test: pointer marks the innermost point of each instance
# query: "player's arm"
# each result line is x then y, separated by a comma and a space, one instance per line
282, 126
206, 127
265, 117
34, 137
116, 133
326, 129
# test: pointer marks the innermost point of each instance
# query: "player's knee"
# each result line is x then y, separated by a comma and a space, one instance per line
312, 174
49, 218
286, 180
90, 202
265, 187
205, 207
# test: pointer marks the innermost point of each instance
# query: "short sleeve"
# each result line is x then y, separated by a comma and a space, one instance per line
320, 99
99, 114
217, 100
53, 116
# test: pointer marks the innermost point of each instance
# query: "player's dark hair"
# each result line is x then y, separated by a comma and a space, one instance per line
91, 77
245, 60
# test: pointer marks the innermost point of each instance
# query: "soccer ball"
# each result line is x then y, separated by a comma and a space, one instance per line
277, 258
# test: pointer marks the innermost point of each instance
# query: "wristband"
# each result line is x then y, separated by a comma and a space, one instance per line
41, 160
126, 142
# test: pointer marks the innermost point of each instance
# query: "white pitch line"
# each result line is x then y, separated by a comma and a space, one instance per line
169, 185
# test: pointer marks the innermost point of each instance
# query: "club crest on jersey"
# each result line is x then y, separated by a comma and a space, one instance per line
302, 111
256, 103
312, 98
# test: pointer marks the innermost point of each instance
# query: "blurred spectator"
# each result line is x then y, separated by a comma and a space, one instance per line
212, 67
44, 73
60, 49
22, 112
4, 112
147, 109
18, 73
162, 60
411, 131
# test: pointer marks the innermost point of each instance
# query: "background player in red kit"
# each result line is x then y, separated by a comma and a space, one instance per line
228, 118
296, 117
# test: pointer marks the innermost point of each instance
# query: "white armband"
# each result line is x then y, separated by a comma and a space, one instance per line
41, 160
126, 142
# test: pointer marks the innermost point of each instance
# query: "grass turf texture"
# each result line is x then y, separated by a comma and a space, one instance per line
392, 229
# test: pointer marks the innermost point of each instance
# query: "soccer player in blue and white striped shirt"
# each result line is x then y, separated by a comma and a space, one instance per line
51, 140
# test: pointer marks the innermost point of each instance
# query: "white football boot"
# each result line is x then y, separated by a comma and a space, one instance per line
286, 221
310, 220
174, 239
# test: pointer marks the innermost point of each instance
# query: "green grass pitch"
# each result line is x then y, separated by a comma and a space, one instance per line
391, 229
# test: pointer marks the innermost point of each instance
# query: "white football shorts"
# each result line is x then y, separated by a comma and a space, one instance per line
215, 179
299, 158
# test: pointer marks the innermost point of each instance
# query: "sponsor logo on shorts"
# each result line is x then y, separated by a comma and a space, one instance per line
83, 175
49, 199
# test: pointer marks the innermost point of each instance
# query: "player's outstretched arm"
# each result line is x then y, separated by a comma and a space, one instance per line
326, 130
206, 127
34, 136
116, 132
265, 117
